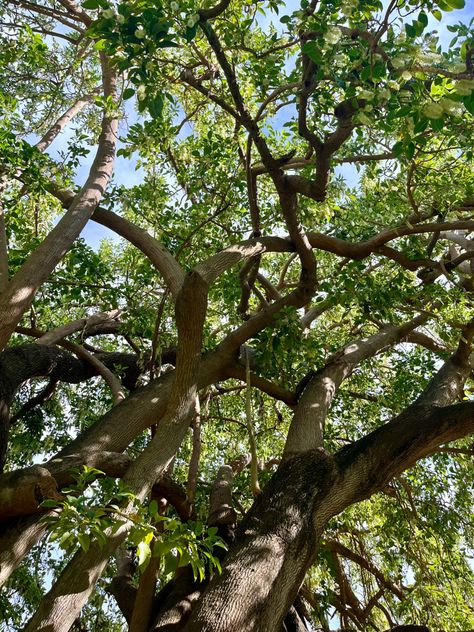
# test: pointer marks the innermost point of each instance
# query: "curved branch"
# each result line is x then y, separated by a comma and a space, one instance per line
340, 549
37, 400
20, 363
161, 259
369, 464
274, 390
53, 336
213, 12
307, 427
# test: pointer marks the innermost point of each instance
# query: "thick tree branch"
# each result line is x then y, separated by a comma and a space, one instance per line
307, 427
369, 464
36, 269
63, 603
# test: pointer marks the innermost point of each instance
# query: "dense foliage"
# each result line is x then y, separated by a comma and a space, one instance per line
325, 149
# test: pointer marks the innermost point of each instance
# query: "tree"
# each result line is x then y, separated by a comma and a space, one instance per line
250, 409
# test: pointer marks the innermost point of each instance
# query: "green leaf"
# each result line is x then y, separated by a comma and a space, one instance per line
128, 93
155, 106
91, 4
144, 554
437, 124
163, 547
410, 150
423, 19
398, 149
366, 73
171, 564
49, 503
410, 30
84, 541
468, 102
444, 6
167, 44
379, 70
313, 51
184, 559
421, 125
64, 539
190, 33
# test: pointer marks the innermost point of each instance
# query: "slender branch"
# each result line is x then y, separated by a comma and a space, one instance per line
3, 242
110, 379
254, 485
213, 12
188, 77
61, 17
76, 11
42, 397
300, 162
339, 548
270, 388
195, 455
63, 120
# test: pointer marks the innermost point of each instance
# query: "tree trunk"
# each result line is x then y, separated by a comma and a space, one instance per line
275, 545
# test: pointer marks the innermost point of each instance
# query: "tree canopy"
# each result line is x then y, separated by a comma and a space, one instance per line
236, 315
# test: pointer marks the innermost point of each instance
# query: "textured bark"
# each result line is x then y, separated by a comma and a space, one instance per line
18, 364
16, 539
19, 294
121, 587
176, 602
60, 607
370, 463
277, 541
293, 622
193, 468
23, 492
275, 545
63, 121
143, 605
62, 604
